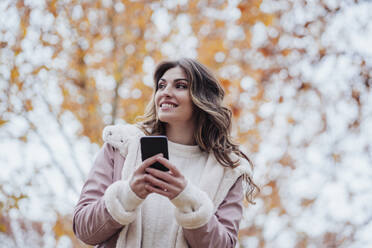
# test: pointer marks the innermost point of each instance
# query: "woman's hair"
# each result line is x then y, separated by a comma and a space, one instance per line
213, 121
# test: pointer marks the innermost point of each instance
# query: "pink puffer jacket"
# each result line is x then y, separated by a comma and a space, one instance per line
93, 224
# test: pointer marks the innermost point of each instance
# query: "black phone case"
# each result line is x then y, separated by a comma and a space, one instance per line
152, 145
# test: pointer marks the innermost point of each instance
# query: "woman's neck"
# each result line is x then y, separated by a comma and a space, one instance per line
181, 134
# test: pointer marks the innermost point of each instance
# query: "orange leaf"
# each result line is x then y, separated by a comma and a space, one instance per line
291, 120
28, 105
286, 52
307, 202
336, 157
286, 160
23, 138
219, 24
305, 86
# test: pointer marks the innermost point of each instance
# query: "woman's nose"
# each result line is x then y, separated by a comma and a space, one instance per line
167, 91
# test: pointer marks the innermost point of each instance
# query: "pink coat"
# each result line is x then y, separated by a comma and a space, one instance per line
93, 224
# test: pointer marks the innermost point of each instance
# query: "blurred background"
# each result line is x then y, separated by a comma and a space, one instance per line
297, 76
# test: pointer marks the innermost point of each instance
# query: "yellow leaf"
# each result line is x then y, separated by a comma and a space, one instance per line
16, 199
14, 74
63, 226
65, 92
52, 7
23, 29
17, 50
267, 19
2, 228
36, 71
2, 122
58, 229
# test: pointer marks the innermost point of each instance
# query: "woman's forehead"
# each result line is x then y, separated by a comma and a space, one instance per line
173, 73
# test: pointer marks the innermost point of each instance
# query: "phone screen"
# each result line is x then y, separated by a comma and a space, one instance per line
152, 145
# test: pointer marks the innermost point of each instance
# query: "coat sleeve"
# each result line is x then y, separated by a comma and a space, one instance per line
93, 222
222, 228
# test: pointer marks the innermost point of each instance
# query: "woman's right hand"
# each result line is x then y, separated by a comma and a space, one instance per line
137, 182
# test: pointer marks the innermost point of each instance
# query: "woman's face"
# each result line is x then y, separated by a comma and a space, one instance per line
172, 99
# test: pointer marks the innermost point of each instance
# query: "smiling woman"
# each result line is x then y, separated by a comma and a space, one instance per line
174, 106
198, 202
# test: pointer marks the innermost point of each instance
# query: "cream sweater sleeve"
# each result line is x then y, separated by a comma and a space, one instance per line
194, 208
121, 202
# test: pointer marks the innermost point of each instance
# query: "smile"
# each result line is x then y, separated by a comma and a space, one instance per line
167, 105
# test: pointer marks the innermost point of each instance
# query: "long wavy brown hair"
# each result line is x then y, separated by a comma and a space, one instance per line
213, 120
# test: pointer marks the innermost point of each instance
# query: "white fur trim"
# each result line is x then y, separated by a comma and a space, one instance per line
128, 198
119, 136
121, 202
193, 207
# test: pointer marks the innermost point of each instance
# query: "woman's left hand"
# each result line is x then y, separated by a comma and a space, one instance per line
167, 183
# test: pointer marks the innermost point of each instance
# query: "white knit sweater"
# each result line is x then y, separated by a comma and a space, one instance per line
156, 221
158, 211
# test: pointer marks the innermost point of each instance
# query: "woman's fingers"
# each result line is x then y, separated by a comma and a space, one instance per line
159, 191
160, 184
146, 163
137, 184
167, 181
137, 181
168, 184
168, 164
166, 177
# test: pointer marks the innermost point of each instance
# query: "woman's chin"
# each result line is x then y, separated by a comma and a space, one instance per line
168, 118
165, 119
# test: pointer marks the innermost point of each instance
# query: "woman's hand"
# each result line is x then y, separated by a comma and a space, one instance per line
137, 182
168, 184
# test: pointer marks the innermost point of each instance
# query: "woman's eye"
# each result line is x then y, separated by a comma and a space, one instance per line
181, 86
161, 85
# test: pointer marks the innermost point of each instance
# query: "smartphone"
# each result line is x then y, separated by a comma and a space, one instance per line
152, 145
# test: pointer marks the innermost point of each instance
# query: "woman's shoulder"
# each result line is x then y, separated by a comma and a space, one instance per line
120, 135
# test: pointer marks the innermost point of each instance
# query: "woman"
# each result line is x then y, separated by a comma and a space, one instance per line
198, 202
